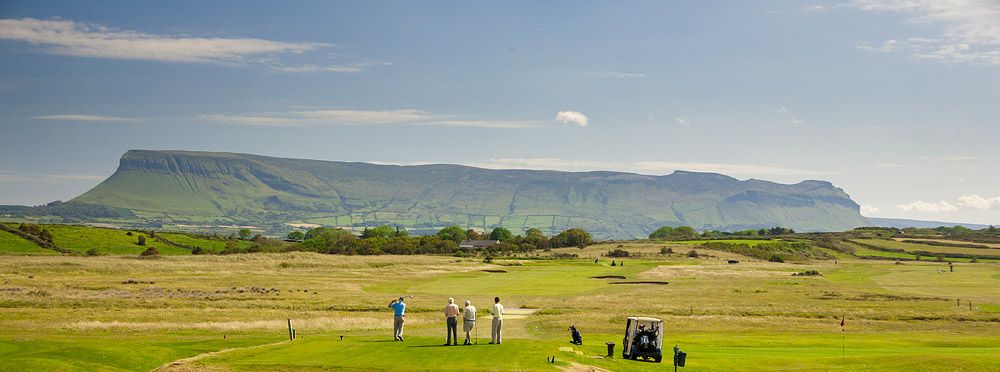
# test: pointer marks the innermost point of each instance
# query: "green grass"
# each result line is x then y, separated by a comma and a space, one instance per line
10, 243
109, 352
83, 238
716, 352
910, 247
750, 242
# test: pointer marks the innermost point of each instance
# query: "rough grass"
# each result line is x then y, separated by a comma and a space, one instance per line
752, 315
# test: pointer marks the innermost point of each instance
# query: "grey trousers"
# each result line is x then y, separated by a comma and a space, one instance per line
497, 325
397, 327
452, 331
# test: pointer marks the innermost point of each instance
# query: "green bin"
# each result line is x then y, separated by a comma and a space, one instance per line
679, 358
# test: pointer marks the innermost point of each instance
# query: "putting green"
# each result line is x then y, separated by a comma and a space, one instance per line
967, 281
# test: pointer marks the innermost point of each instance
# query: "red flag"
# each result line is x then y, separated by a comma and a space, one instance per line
842, 322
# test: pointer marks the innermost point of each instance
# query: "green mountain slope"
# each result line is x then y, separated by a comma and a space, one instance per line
609, 204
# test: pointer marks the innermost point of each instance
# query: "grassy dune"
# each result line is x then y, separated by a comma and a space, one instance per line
81, 313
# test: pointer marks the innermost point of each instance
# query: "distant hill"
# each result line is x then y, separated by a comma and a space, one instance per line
903, 223
182, 185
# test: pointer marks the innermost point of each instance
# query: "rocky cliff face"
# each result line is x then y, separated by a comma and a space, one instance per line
609, 204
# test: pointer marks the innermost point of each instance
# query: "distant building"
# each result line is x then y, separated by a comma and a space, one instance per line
477, 243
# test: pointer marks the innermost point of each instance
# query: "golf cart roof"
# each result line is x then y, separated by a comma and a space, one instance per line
644, 319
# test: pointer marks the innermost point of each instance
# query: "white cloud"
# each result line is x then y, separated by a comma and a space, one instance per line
781, 109
614, 75
868, 209
922, 206
311, 118
969, 29
572, 117
797, 121
83, 117
66, 37
683, 121
890, 165
324, 117
979, 202
8, 176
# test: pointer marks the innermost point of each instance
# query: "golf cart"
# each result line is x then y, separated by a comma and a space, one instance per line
643, 339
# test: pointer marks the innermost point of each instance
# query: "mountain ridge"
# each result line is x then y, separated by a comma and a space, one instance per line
609, 204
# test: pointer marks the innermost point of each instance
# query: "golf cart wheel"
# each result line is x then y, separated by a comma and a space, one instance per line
657, 358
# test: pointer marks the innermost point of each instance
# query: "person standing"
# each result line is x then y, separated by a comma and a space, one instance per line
469, 317
451, 313
397, 325
497, 312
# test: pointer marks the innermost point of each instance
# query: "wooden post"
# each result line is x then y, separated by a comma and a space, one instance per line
291, 336
970, 305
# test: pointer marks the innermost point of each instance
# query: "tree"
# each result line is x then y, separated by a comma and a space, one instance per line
661, 233
383, 231
296, 235
571, 238
501, 234
533, 232
244, 233
453, 233
142, 240
683, 232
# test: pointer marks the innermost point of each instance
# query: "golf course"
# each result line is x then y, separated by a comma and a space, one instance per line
171, 312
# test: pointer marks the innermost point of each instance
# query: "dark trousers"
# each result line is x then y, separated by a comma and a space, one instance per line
452, 330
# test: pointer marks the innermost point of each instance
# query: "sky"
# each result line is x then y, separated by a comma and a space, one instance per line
896, 102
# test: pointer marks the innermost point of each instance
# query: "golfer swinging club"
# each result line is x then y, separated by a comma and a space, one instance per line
397, 324
469, 315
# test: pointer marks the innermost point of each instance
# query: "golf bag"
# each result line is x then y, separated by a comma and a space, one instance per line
577, 339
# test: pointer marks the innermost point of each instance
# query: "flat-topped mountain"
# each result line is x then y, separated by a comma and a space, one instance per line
241, 187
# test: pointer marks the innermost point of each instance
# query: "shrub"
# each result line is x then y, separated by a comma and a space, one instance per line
974, 260
618, 253
666, 250
94, 252
775, 258
808, 273
150, 252
939, 257
458, 254
693, 253
489, 258
198, 250
142, 240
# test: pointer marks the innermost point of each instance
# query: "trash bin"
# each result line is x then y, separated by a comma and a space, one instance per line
679, 358
611, 349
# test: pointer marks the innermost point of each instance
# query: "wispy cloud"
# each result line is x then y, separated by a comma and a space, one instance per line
922, 206
84, 117
683, 121
868, 209
312, 118
786, 112
613, 75
890, 165
572, 117
969, 29
979, 202
324, 117
70, 38
9, 176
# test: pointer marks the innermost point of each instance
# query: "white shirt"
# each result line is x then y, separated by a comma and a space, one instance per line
497, 310
470, 313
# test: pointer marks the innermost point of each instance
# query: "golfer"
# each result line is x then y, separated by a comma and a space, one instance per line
451, 313
469, 315
497, 311
397, 324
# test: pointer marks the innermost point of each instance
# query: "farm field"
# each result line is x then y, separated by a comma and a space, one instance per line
122, 313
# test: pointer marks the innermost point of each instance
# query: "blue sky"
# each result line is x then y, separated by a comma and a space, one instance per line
896, 102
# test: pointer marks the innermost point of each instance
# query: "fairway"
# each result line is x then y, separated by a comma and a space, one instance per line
81, 313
